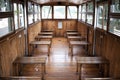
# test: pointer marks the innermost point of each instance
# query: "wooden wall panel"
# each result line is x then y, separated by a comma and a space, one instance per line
87, 32
108, 46
53, 25
33, 31
11, 48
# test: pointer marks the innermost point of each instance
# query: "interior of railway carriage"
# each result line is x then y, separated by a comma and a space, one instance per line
59, 39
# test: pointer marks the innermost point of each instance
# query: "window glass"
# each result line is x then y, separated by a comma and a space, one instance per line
79, 12
100, 16
59, 12
38, 8
114, 26
36, 12
16, 16
5, 6
30, 13
47, 12
72, 12
83, 17
115, 7
90, 19
105, 16
90, 7
21, 15
84, 12
84, 8
5, 26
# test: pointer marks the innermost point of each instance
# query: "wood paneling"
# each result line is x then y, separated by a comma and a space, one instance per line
87, 32
33, 31
11, 48
53, 25
108, 46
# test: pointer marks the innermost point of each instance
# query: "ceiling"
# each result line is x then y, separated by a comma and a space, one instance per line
60, 1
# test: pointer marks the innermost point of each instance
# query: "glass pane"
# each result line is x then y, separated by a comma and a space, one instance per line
5, 27
5, 6
84, 8
100, 16
21, 15
46, 12
79, 12
72, 12
115, 7
30, 13
90, 19
36, 12
90, 7
59, 12
83, 17
114, 26
105, 16
15, 16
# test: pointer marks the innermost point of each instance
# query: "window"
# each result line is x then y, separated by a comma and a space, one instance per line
60, 25
59, 12
89, 13
46, 12
38, 9
102, 16
21, 16
5, 26
115, 6
72, 12
89, 19
30, 13
114, 26
36, 12
18, 15
84, 12
5, 6
6, 21
90, 7
80, 12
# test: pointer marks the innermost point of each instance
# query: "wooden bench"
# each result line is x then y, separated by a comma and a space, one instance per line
72, 34
92, 60
71, 30
46, 33
39, 37
48, 43
20, 78
29, 60
77, 43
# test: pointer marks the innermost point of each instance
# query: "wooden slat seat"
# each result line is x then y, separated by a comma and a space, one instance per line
92, 60
20, 78
39, 37
30, 60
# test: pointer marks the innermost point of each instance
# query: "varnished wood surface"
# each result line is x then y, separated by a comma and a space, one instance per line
30, 60
39, 37
20, 78
45, 33
100, 79
40, 43
81, 43
71, 30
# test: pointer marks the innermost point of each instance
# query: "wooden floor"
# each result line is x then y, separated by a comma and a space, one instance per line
60, 65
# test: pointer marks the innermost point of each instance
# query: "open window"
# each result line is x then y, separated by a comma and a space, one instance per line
72, 12
46, 12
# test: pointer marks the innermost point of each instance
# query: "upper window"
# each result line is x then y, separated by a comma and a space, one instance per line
46, 12
21, 15
30, 13
115, 6
5, 6
16, 15
102, 16
59, 12
84, 12
79, 12
90, 7
72, 12
36, 12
